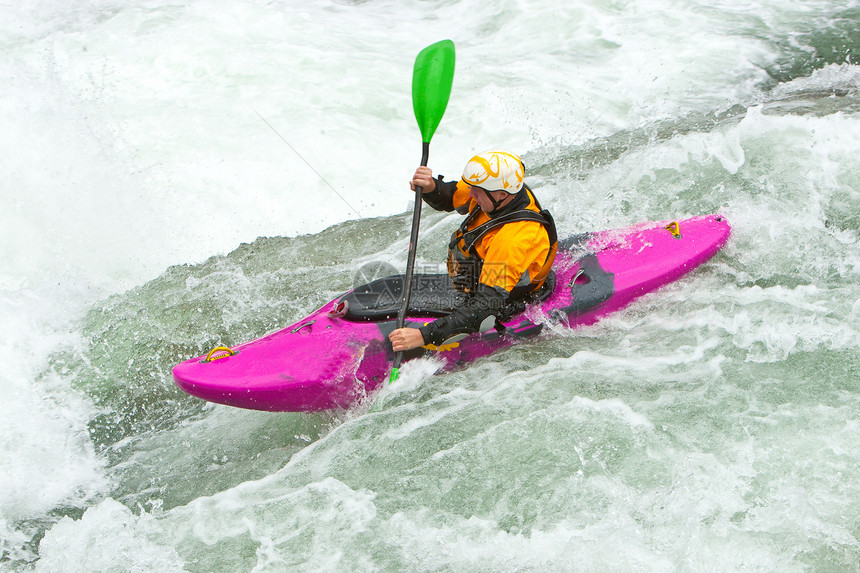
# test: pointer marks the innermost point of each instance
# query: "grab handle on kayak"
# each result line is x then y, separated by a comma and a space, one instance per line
307, 324
226, 352
675, 229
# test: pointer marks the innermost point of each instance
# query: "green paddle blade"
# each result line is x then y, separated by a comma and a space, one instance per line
431, 85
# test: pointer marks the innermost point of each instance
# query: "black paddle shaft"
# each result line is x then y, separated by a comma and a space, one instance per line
410, 257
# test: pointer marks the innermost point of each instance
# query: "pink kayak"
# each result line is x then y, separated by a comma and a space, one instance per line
340, 354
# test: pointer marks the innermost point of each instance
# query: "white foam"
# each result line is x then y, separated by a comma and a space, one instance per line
132, 142
108, 537
49, 460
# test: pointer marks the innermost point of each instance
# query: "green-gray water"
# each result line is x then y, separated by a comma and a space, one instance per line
711, 426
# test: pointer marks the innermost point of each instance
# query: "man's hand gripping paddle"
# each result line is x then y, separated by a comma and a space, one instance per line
432, 78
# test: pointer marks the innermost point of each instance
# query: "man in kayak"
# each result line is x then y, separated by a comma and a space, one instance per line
501, 254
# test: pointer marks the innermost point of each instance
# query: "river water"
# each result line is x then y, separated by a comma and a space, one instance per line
177, 176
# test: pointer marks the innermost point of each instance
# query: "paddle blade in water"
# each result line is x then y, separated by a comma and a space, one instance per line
431, 85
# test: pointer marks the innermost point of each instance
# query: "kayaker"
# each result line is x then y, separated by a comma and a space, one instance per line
502, 253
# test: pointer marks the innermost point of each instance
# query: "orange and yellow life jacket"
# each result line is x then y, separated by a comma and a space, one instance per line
512, 250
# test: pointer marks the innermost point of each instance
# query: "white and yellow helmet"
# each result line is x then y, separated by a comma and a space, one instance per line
495, 171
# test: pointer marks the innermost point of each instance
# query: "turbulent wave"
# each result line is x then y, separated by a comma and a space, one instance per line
152, 216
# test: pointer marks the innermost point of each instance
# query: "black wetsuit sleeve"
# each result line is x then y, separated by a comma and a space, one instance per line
442, 197
467, 318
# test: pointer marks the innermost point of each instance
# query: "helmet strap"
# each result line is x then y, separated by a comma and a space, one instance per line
496, 204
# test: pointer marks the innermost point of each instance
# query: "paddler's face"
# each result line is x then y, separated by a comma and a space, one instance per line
480, 197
